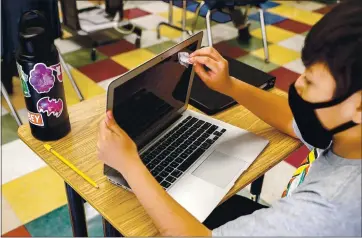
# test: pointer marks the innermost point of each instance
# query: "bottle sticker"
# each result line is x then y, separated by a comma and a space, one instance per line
35, 118
58, 69
41, 78
24, 79
50, 106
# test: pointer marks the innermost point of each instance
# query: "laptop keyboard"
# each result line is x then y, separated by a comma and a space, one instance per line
174, 153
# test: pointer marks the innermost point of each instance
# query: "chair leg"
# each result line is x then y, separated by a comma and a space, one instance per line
194, 24
170, 12
70, 76
184, 11
263, 32
208, 28
256, 188
8, 101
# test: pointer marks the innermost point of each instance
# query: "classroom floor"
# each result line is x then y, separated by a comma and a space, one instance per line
33, 197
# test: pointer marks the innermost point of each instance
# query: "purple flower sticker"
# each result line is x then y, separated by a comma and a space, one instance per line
42, 78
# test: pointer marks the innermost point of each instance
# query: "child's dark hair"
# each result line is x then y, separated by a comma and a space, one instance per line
336, 40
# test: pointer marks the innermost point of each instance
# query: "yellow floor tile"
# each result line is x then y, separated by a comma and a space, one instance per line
274, 34
278, 54
296, 14
170, 32
9, 220
177, 14
87, 87
66, 34
35, 194
133, 58
17, 98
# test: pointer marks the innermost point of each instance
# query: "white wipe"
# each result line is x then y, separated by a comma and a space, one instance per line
183, 58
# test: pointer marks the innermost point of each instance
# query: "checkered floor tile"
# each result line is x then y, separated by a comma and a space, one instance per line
33, 198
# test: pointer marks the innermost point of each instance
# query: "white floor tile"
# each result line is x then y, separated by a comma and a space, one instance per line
275, 181
134, 4
222, 32
84, 4
148, 38
294, 43
148, 22
296, 66
104, 84
90, 212
154, 6
307, 5
18, 160
23, 114
66, 46
3, 111
9, 219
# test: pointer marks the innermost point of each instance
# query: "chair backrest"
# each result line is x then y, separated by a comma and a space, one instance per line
70, 14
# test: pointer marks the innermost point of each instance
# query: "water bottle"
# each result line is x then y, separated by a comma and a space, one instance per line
41, 78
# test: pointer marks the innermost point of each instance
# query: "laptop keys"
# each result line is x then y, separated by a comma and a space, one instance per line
187, 163
154, 173
179, 160
159, 179
179, 149
205, 146
163, 174
174, 164
165, 184
176, 173
170, 179
212, 129
169, 169
150, 166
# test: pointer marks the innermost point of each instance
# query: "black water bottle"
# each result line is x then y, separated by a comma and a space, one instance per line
41, 78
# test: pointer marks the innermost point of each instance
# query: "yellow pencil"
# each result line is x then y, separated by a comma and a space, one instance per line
67, 162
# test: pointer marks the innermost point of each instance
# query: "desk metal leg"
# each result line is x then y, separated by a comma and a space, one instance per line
76, 212
255, 189
109, 230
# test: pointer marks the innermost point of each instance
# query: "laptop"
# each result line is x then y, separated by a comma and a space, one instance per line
194, 157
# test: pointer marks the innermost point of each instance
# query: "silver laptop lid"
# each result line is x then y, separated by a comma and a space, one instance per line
146, 99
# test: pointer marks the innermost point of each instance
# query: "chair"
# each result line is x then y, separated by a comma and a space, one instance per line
180, 3
96, 38
213, 6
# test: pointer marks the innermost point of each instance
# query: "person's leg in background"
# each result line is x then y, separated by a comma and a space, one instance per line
240, 20
231, 209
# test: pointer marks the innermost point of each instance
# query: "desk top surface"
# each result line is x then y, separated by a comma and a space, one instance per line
118, 206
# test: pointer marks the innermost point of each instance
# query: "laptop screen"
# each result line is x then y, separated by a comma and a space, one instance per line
147, 102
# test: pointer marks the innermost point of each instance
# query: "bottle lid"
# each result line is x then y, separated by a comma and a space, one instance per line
34, 36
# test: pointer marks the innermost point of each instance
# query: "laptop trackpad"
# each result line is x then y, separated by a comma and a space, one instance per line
219, 169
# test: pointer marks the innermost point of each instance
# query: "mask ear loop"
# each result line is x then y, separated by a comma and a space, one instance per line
343, 127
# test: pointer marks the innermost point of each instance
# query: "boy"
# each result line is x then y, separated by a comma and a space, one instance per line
324, 111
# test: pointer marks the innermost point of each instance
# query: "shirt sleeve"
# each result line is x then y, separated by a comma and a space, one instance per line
303, 214
299, 135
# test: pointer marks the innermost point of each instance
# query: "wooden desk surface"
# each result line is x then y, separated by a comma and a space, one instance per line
118, 206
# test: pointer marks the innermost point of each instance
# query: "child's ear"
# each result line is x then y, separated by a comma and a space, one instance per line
357, 118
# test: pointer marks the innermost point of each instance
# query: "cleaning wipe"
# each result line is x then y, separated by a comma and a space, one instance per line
183, 59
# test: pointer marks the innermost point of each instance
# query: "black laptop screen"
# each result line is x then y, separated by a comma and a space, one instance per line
146, 103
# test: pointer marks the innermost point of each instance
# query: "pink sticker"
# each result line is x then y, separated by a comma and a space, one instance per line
41, 78
58, 69
50, 106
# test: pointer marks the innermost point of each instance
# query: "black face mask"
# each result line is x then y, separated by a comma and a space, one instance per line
311, 129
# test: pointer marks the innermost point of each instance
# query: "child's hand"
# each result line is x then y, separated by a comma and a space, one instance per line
217, 78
